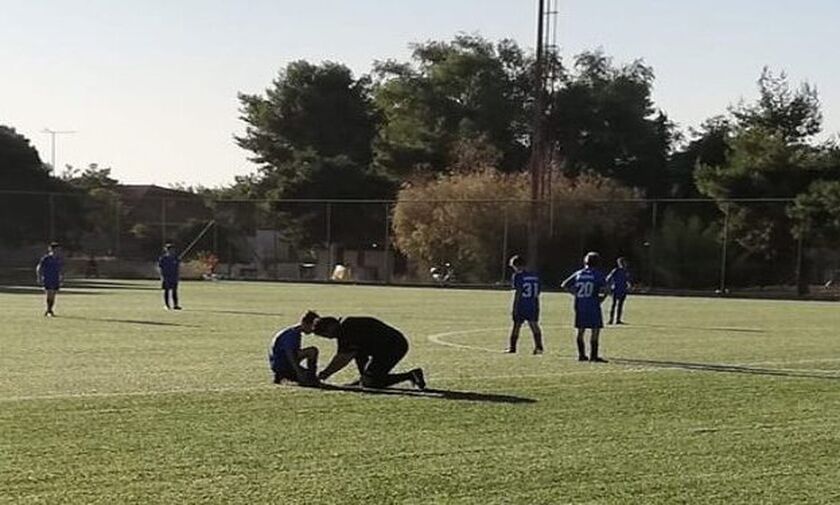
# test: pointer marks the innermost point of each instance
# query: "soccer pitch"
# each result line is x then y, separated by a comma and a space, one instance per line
704, 401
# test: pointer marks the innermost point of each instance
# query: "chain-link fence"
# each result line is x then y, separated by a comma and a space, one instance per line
701, 246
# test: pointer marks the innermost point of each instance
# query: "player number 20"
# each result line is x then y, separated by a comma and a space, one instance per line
585, 289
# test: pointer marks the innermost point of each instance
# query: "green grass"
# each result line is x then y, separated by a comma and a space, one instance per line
705, 401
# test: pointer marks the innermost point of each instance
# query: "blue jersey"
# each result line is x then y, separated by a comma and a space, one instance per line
50, 267
284, 340
526, 298
618, 280
169, 265
586, 285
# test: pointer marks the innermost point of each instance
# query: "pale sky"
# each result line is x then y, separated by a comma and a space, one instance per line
150, 85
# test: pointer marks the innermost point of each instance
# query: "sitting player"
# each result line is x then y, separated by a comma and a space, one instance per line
587, 285
618, 282
286, 354
526, 304
375, 346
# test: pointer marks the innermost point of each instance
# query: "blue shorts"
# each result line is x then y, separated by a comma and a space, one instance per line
169, 284
52, 286
522, 314
589, 318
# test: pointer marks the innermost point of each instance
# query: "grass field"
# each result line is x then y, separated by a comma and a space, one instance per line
704, 401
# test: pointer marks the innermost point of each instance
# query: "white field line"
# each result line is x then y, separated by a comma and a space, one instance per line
438, 339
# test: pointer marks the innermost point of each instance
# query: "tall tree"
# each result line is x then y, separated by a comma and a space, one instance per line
467, 88
310, 108
25, 217
603, 120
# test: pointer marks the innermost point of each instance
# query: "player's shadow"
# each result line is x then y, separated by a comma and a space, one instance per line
737, 369
440, 394
130, 321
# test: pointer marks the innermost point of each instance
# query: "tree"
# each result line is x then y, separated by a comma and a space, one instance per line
467, 88
318, 108
602, 119
25, 217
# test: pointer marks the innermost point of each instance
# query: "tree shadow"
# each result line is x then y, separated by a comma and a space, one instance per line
722, 368
106, 285
129, 321
36, 290
240, 312
439, 394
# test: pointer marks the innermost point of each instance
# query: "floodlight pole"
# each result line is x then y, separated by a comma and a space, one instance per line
536, 161
53, 134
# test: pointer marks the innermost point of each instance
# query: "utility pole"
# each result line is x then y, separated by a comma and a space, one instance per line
544, 72
53, 134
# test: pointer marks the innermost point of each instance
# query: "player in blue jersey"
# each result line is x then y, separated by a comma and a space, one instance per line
526, 304
285, 354
169, 266
588, 287
50, 274
618, 282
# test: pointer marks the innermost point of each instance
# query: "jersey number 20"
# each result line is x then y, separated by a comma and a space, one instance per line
585, 289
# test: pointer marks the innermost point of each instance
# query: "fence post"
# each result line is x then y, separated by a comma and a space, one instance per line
328, 235
651, 249
117, 212
52, 217
801, 281
723, 254
162, 222
387, 247
504, 247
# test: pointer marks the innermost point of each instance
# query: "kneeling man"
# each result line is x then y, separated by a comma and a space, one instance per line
376, 347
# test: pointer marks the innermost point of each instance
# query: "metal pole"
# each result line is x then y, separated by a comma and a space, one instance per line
387, 248
651, 249
52, 217
505, 248
330, 259
52, 134
537, 142
723, 254
163, 222
801, 286
117, 228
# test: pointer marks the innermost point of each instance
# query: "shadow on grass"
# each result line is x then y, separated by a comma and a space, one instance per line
239, 312
440, 394
37, 290
714, 367
109, 285
129, 321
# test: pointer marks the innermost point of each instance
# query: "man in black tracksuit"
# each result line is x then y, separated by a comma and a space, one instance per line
375, 346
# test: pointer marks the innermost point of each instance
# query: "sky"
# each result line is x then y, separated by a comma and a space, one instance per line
150, 86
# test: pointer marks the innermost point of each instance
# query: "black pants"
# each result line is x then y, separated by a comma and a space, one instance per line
377, 371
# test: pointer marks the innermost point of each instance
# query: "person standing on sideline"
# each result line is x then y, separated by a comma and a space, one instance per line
50, 274
618, 282
588, 285
285, 353
526, 304
375, 346
169, 266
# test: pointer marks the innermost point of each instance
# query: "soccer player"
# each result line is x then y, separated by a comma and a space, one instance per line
375, 346
526, 304
587, 285
50, 274
169, 266
286, 354
618, 282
